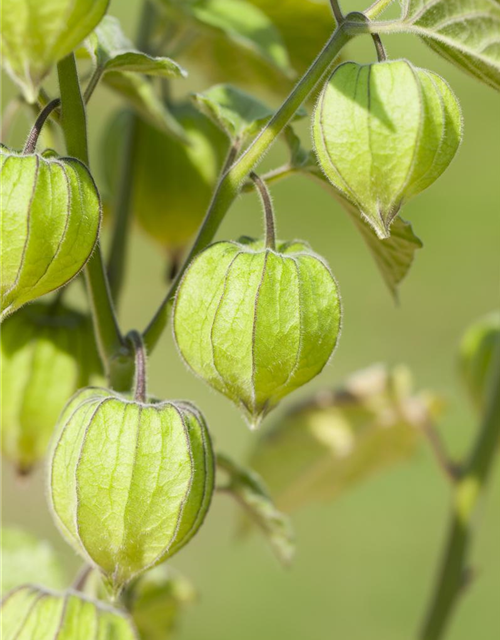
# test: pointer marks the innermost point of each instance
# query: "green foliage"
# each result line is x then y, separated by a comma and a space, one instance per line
463, 31
156, 600
172, 181
249, 490
326, 445
36, 35
50, 217
477, 352
48, 352
255, 323
26, 559
30, 613
130, 483
383, 133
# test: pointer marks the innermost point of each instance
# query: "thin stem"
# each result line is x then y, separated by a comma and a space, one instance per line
337, 11
135, 338
81, 578
122, 214
267, 205
450, 469
381, 52
34, 134
467, 492
93, 82
74, 125
230, 184
275, 175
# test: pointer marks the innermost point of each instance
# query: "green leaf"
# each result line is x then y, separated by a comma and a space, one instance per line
236, 112
249, 490
157, 600
339, 438
113, 51
476, 357
141, 96
26, 559
245, 25
34, 612
466, 32
36, 35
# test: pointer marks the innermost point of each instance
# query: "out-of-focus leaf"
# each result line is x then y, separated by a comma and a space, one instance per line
304, 26
249, 490
394, 255
26, 559
236, 112
140, 94
156, 601
339, 438
111, 50
477, 351
466, 32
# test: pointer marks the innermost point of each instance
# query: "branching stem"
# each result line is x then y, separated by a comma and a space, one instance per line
135, 339
337, 11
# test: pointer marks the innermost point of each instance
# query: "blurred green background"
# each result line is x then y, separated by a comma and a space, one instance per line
366, 563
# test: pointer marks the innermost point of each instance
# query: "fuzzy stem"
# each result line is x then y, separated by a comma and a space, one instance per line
379, 47
377, 8
135, 339
231, 183
337, 11
267, 205
74, 125
36, 130
468, 490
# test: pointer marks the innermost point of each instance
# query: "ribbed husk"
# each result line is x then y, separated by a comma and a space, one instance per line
130, 483
256, 323
48, 352
50, 217
383, 133
31, 612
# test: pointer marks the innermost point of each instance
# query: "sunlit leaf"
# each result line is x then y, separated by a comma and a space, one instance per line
26, 559
249, 490
339, 438
466, 32
113, 51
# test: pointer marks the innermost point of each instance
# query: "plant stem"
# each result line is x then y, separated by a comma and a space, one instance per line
337, 11
123, 209
267, 205
275, 175
74, 125
467, 492
135, 338
231, 182
34, 134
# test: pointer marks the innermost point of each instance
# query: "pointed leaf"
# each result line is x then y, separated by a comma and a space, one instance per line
113, 51
248, 489
338, 438
466, 32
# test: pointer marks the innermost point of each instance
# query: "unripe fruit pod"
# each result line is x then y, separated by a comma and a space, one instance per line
383, 133
31, 613
172, 182
130, 482
476, 357
48, 352
50, 217
257, 323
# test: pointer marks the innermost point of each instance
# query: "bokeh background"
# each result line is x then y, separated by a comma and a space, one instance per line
366, 563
